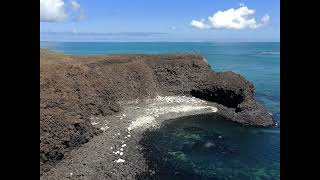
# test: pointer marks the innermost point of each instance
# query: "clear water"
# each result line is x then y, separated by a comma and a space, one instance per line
207, 147
257, 150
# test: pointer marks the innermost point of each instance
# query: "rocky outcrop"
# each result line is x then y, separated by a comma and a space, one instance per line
73, 88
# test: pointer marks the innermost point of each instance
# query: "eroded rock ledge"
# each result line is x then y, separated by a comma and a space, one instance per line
73, 88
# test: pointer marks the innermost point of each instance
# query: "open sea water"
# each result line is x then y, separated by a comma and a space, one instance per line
203, 147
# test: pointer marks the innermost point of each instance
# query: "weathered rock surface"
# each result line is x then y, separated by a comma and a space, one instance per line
73, 88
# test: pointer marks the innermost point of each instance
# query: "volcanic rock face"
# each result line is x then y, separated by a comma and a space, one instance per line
74, 88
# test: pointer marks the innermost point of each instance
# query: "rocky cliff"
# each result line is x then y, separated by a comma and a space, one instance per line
75, 87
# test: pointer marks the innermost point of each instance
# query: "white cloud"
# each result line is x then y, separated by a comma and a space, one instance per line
240, 18
199, 24
58, 10
172, 27
265, 19
52, 10
77, 12
75, 6
233, 19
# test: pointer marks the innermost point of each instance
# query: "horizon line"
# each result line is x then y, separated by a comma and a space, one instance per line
173, 41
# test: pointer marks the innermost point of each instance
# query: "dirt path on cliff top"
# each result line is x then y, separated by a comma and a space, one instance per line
116, 153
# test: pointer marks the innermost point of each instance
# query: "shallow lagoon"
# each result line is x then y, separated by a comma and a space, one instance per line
207, 147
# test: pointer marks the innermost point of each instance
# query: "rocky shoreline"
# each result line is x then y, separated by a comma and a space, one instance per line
76, 90
116, 153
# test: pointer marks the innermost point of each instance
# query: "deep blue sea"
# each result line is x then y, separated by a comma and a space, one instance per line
211, 149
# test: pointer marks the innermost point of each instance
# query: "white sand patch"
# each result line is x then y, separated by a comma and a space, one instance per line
184, 108
116, 152
121, 153
119, 160
160, 110
178, 99
104, 128
214, 109
168, 104
141, 121
123, 145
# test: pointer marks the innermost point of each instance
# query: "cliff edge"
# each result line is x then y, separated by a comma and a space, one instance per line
75, 87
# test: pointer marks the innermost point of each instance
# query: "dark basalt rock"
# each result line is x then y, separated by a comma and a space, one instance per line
194, 77
237, 95
72, 88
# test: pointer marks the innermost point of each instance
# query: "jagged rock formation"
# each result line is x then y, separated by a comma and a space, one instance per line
75, 87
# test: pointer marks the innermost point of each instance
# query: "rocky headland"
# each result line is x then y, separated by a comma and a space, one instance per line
94, 108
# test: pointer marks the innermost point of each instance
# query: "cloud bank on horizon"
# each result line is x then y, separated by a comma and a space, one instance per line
59, 11
240, 18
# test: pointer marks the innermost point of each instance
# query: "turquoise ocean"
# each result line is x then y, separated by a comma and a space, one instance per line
209, 148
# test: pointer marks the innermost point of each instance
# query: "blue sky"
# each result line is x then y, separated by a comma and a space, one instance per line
161, 20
